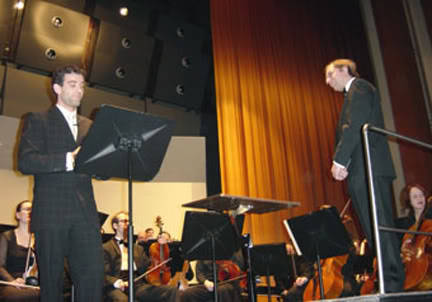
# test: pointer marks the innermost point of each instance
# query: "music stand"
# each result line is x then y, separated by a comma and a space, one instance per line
319, 235
208, 236
240, 205
125, 144
269, 259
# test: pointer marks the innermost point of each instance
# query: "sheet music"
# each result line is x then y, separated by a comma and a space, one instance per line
293, 240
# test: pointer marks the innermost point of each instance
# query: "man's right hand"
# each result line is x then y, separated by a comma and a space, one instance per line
75, 152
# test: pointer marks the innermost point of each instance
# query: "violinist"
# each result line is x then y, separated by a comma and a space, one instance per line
227, 291
293, 285
145, 236
116, 268
14, 248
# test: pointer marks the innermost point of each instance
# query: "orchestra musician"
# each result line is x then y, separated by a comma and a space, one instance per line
292, 286
116, 268
413, 198
14, 249
415, 249
227, 291
64, 217
145, 236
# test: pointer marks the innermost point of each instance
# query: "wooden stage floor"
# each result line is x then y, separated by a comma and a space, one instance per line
403, 297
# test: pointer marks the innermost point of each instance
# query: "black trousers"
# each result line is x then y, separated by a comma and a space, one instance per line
226, 293
81, 244
146, 292
394, 272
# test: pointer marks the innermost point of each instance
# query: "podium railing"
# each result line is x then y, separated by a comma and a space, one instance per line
376, 227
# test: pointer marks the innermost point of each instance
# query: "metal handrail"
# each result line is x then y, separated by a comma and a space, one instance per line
376, 227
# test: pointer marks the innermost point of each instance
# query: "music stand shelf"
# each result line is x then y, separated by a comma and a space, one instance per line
222, 202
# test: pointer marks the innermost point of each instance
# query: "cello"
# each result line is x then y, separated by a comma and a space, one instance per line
159, 252
331, 273
417, 257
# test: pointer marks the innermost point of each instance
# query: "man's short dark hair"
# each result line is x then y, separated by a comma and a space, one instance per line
59, 74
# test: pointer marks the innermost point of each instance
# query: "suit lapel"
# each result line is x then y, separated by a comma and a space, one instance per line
61, 122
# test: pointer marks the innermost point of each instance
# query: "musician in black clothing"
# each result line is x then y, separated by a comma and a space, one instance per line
227, 292
116, 269
292, 287
14, 249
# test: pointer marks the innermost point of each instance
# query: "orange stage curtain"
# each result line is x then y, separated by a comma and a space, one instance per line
276, 116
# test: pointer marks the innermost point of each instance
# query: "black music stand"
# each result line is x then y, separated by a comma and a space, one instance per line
240, 205
269, 259
319, 235
208, 236
125, 144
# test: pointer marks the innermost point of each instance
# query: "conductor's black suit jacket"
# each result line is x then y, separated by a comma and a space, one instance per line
362, 105
45, 140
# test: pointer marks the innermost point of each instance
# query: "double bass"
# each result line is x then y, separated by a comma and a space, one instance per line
331, 273
159, 252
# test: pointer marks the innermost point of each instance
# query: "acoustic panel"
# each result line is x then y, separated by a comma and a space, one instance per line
6, 21
137, 12
122, 58
175, 28
76, 5
182, 74
51, 36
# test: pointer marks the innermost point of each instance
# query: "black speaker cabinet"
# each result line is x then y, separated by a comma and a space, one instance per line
122, 58
182, 74
51, 36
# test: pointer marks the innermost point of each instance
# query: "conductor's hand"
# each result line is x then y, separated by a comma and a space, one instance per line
75, 152
338, 172
209, 285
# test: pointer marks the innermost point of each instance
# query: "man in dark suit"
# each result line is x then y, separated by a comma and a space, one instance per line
64, 216
116, 269
361, 106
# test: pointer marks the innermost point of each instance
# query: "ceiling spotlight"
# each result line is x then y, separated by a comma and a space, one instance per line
19, 4
123, 11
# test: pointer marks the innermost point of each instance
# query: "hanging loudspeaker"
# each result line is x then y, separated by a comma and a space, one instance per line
122, 58
51, 36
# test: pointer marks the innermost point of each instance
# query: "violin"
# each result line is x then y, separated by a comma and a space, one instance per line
229, 271
159, 252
